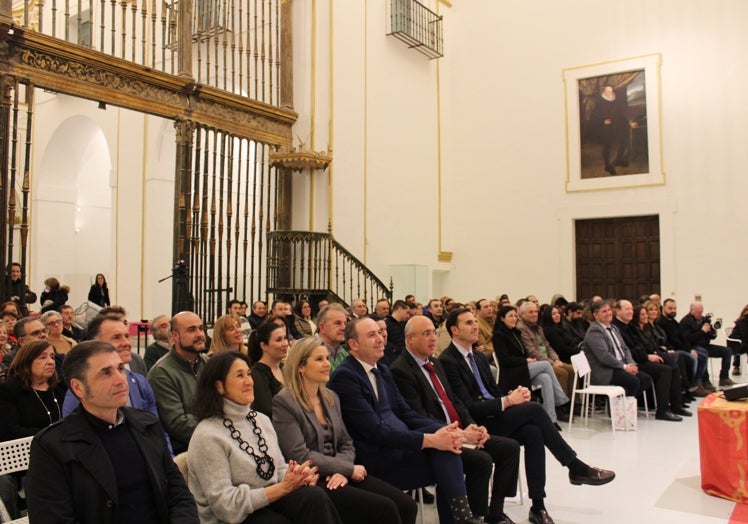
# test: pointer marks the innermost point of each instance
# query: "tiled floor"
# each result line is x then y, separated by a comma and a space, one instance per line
657, 477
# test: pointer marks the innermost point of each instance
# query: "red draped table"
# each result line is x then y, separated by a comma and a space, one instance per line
723, 447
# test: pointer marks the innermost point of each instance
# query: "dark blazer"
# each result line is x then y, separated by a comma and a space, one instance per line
418, 392
71, 478
380, 429
464, 385
99, 295
601, 354
300, 434
507, 344
673, 334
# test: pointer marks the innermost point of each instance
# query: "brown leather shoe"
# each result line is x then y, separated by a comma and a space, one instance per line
700, 391
594, 477
541, 517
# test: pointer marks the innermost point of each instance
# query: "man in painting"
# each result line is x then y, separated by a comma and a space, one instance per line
612, 124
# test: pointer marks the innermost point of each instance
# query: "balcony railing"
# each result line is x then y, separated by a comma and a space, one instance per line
235, 44
418, 26
305, 263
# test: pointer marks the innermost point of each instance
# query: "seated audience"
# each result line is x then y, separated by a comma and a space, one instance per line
662, 369
610, 359
486, 319
675, 341
53, 322
655, 340
268, 347
381, 308
9, 320
114, 332
309, 423
395, 321
511, 415
160, 331
54, 295
423, 383
227, 335
436, 311
358, 308
259, 312
698, 332
538, 347
331, 329
31, 398
393, 441
69, 329
558, 334
304, 324
105, 462
237, 472
174, 378
518, 368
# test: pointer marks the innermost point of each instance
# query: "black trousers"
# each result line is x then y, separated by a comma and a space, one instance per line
478, 465
373, 501
667, 385
633, 384
307, 505
531, 426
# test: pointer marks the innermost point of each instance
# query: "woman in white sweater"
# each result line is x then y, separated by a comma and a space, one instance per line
236, 470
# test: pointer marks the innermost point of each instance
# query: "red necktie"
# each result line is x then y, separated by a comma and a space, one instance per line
451, 411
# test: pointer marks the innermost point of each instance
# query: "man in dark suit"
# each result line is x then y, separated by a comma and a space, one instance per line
664, 373
421, 380
511, 415
611, 362
393, 441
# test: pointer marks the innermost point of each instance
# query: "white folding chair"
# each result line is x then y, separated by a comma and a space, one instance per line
14, 456
582, 371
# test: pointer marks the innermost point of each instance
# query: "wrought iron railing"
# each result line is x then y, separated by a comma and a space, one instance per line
418, 26
235, 44
305, 263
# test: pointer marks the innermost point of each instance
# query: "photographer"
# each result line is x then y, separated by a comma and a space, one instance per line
698, 331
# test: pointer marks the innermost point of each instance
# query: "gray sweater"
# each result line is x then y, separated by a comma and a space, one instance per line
222, 477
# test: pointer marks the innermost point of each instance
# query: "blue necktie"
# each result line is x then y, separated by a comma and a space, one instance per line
476, 374
380, 384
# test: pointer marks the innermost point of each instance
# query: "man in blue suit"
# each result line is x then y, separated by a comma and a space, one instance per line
393, 441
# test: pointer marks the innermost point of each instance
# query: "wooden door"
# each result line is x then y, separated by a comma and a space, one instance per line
618, 257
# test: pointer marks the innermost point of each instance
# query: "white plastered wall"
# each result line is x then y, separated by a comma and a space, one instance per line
506, 216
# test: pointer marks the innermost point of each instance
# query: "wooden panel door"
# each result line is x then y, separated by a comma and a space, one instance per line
618, 257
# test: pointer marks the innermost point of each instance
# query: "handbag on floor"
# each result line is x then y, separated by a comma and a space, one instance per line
623, 409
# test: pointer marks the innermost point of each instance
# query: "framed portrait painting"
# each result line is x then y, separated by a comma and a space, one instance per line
613, 124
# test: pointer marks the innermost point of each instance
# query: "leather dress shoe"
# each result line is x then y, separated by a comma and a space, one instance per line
503, 519
594, 477
701, 391
683, 412
541, 517
668, 415
723, 382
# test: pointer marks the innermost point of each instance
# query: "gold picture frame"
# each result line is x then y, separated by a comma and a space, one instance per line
613, 131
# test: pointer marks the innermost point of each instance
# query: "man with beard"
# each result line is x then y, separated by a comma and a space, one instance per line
174, 378
675, 340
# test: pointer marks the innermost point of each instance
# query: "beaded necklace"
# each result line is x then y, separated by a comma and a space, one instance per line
46, 409
265, 464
